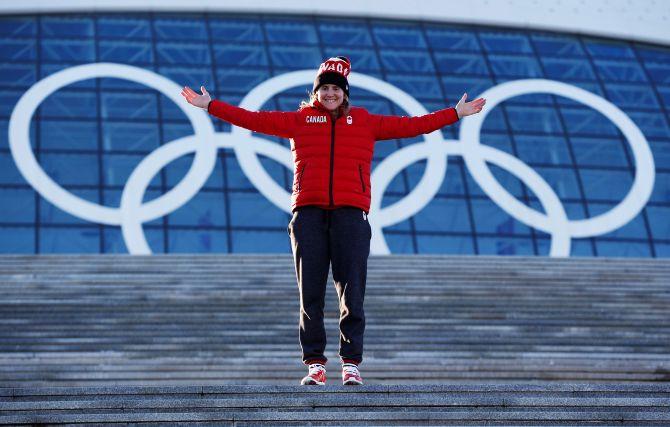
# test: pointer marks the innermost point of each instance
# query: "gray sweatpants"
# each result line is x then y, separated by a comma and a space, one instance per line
320, 237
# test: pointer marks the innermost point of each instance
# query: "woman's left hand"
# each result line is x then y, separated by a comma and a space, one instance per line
467, 108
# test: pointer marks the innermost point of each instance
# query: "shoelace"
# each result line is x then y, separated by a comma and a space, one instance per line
350, 369
315, 368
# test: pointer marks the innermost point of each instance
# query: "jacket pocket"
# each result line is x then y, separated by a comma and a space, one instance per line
360, 173
300, 175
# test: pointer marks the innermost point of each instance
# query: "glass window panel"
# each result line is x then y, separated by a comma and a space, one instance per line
396, 186
9, 174
17, 75
83, 240
578, 247
599, 151
177, 170
15, 26
406, 225
113, 240
451, 39
661, 152
609, 49
46, 69
261, 241
490, 218
130, 136
444, 215
586, 121
650, 123
129, 106
190, 76
503, 42
60, 26
407, 61
634, 229
205, 209
453, 181
69, 135
71, 169
659, 221
460, 63
124, 28
659, 71
658, 53
284, 31
362, 59
574, 210
18, 50
198, 241
180, 29
534, 119
18, 205
118, 167
494, 122
253, 210
407, 36
8, 99
236, 29
112, 198
557, 46
70, 104
568, 69
453, 245
541, 149
505, 245
51, 214
661, 192
17, 240
183, 53
664, 93
344, 33
631, 96
515, 66
130, 52
608, 248
68, 50
295, 57
620, 71
417, 86
241, 80
455, 87
605, 184
662, 250
173, 131
562, 180
399, 243
248, 55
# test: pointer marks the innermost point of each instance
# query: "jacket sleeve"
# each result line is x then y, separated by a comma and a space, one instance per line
391, 127
277, 123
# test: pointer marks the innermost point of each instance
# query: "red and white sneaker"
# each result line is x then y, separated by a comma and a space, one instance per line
351, 375
316, 375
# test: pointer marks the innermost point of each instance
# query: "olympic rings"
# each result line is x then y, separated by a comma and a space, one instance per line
205, 142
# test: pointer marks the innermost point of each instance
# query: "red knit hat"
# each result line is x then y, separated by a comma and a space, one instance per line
333, 71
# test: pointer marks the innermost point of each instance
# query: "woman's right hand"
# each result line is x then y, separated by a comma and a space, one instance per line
192, 97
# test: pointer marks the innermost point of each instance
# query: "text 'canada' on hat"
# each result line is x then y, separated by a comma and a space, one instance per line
333, 71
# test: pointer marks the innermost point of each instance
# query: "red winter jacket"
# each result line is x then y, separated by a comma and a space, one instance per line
332, 158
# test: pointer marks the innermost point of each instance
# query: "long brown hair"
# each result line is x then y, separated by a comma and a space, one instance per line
342, 110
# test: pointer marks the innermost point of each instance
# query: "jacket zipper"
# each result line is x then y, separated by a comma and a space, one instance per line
332, 160
360, 172
300, 176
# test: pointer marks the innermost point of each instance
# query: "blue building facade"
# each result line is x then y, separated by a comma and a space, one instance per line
89, 136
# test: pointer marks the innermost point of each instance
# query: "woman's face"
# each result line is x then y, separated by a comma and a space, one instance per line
330, 96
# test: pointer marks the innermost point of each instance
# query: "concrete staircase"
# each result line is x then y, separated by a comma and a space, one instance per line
449, 340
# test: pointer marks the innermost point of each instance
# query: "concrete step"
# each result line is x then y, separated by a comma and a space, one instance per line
479, 404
